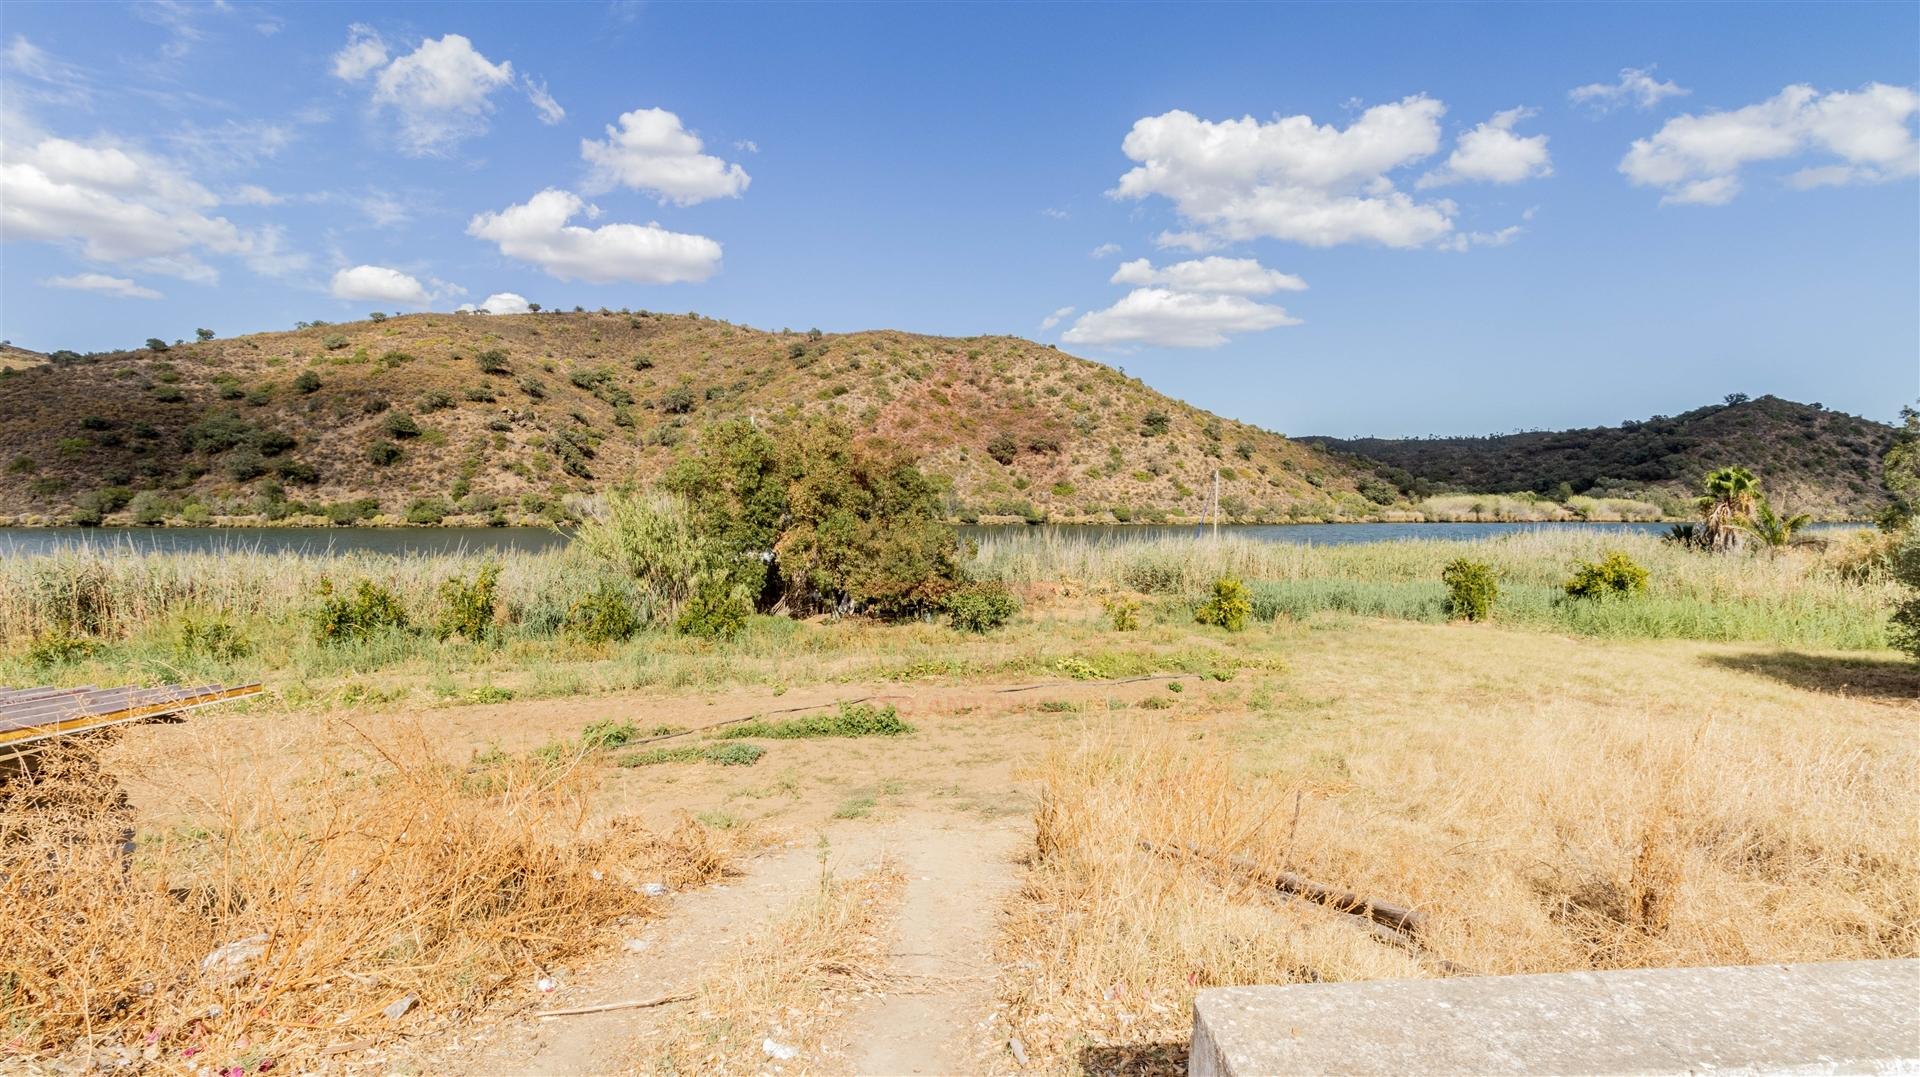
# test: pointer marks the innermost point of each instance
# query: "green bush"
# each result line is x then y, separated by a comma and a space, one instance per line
307, 382
1471, 589
1003, 448
1904, 630
608, 733
1155, 423
717, 609
1614, 575
602, 615
1228, 606
493, 361
469, 606
981, 606
1123, 611
851, 720
428, 511
59, 649
211, 638
723, 755
372, 609
401, 425
382, 453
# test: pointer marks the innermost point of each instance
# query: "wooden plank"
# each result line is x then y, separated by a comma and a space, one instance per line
126, 705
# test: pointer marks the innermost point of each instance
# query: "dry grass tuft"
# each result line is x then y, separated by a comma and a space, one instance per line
790, 982
329, 900
1573, 842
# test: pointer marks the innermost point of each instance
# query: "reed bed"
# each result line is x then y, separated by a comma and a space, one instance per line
1798, 597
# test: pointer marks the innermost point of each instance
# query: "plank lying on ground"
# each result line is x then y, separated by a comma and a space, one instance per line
37, 714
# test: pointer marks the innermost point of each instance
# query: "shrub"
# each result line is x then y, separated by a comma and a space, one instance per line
677, 401
333, 342
211, 638
1471, 589
382, 453
168, 394
371, 609
493, 361
717, 609
1613, 575
469, 608
724, 755
435, 400
1123, 611
427, 511
246, 464
981, 606
1904, 629
59, 649
296, 472
1227, 607
1003, 448
155, 344
602, 615
401, 425
851, 720
607, 733
1155, 423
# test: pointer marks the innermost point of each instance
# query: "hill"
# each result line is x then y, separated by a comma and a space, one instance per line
502, 418
1808, 458
12, 358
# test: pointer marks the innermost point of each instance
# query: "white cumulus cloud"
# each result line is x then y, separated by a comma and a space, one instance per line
650, 151
363, 54
1223, 276
105, 285
1055, 318
440, 94
1290, 178
1636, 86
1492, 153
379, 284
1867, 136
537, 231
1104, 250
1175, 319
116, 204
499, 303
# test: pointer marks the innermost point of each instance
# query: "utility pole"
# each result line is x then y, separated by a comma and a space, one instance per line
1216, 503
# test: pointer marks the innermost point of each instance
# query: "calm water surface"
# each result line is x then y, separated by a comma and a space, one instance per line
26, 541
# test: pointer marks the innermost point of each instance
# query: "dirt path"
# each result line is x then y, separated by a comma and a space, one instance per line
958, 874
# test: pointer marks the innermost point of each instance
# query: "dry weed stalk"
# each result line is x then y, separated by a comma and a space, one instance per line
283, 920
1575, 842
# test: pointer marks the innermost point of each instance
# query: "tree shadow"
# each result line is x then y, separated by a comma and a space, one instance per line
1134, 1060
1891, 679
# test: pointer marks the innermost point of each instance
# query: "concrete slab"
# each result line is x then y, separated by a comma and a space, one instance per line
1841, 1017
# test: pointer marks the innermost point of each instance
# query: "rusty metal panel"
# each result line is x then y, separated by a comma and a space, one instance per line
31, 715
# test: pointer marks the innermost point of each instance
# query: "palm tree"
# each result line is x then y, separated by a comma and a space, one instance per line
1727, 504
1774, 530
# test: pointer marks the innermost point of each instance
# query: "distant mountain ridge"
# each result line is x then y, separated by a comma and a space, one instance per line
1809, 459
505, 417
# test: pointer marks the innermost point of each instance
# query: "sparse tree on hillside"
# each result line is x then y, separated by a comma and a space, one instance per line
377, 316
155, 344
1727, 503
534, 307
1737, 398
204, 334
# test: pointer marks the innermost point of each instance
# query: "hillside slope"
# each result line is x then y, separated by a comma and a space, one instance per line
505, 417
1808, 458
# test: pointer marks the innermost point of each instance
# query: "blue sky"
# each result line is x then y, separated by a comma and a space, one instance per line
1344, 220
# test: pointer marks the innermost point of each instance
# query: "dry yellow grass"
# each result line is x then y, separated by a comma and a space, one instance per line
789, 982
371, 877
1656, 808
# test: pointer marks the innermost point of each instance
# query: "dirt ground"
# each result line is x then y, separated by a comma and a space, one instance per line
949, 805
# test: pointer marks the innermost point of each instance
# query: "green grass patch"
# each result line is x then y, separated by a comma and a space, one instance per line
723, 755
851, 720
